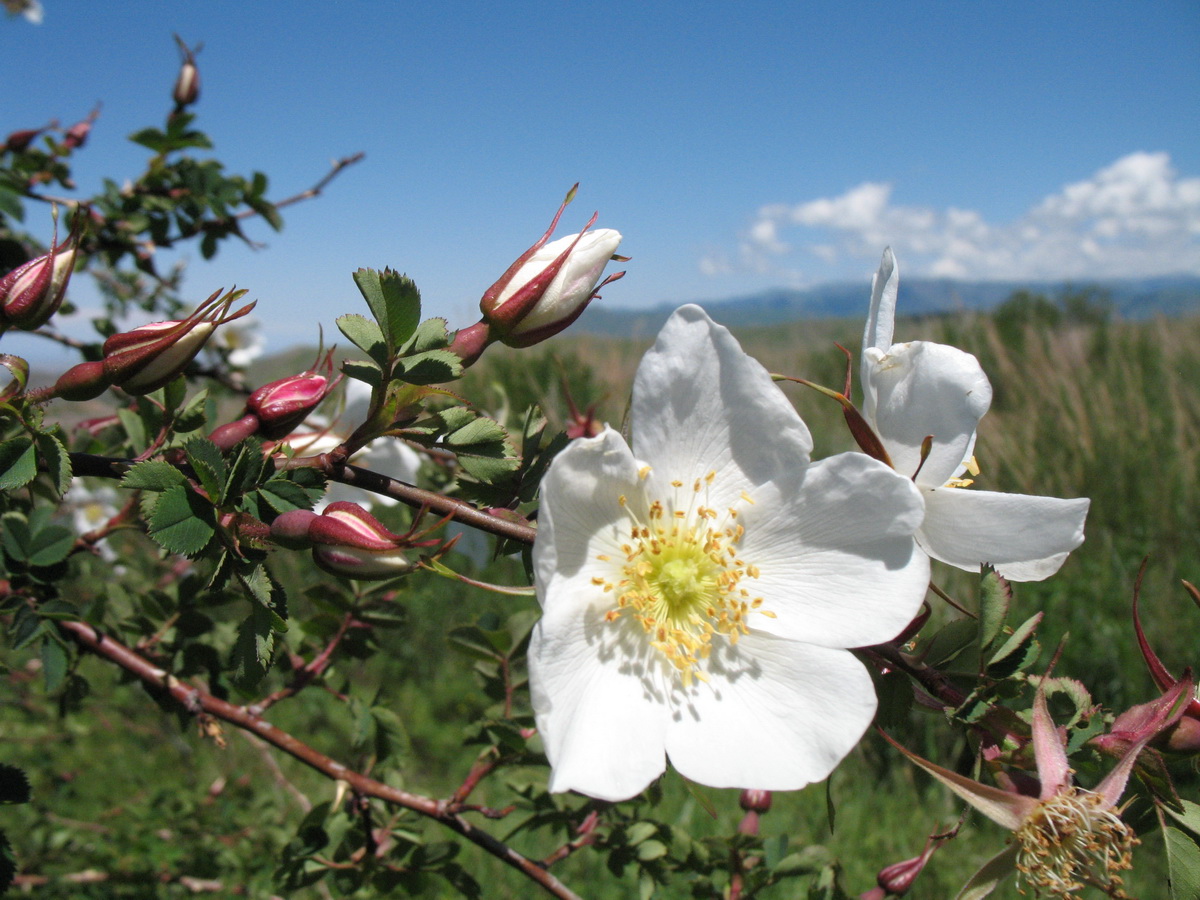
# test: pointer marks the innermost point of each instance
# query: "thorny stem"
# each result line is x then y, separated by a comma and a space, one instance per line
931, 679
417, 498
459, 510
200, 701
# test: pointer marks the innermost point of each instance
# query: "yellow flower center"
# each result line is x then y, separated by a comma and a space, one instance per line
1070, 837
682, 578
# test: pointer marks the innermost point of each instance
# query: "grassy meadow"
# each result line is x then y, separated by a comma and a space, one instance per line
1108, 410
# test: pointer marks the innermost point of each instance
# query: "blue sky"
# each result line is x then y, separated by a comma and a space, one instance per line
736, 146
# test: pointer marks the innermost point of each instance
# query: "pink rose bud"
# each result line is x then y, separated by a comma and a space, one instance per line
31, 293
348, 540
187, 83
146, 358
755, 801
77, 134
282, 405
549, 285
897, 878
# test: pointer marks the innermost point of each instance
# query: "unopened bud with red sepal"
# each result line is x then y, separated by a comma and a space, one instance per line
146, 358
550, 284
896, 880
347, 540
187, 83
31, 293
77, 134
282, 405
755, 803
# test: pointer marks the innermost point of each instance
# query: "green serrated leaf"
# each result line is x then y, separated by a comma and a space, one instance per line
364, 371
134, 429
54, 663
283, 495
8, 864
173, 393
253, 649
56, 460
153, 475
14, 785
194, 415
394, 301
951, 640
366, 335
479, 431
208, 463
429, 367
246, 470
640, 831
995, 597
50, 545
18, 463
651, 850
430, 335
264, 589
182, 521
1189, 816
1017, 651
1183, 865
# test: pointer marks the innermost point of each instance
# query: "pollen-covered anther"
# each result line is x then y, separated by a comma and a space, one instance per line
681, 580
1072, 839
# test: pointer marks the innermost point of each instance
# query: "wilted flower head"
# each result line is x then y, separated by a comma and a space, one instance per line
924, 400
1066, 833
146, 358
698, 589
31, 293
549, 285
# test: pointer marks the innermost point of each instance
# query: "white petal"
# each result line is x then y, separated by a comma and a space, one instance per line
600, 717
920, 389
1026, 538
700, 404
881, 316
580, 516
837, 562
775, 715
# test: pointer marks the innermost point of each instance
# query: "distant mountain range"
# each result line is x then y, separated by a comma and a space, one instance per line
1139, 298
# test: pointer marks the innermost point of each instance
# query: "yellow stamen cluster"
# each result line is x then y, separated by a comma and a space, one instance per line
1072, 836
972, 468
682, 578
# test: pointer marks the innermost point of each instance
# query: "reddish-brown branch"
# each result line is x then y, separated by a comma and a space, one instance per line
418, 498
931, 679
304, 675
198, 700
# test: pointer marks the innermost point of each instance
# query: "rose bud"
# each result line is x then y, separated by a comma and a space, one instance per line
187, 84
348, 540
290, 529
77, 134
755, 803
282, 405
85, 381
31, 293
146, 358
549, 285
19, 141
897, 878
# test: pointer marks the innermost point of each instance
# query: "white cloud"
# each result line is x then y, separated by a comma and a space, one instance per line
1134, 218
